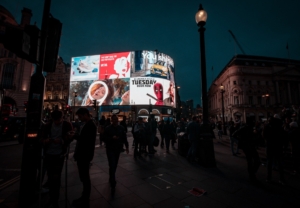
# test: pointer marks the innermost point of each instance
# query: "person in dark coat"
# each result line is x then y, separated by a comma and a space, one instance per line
274, 136
233, 127
124, 124
84, 153
102, 127
294, 137
244, 135
139, 132
193, 131
114, 137
168, 133
56, 136
161, 132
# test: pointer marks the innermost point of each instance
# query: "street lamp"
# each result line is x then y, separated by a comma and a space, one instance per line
206, 148
223, 118
75, 96
201, 17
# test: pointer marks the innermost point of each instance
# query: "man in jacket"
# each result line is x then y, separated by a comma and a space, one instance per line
84, 153
193, 131
244, 135
56, 136
274, 136
114, 138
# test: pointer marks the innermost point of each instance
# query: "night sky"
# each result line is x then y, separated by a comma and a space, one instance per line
262, 27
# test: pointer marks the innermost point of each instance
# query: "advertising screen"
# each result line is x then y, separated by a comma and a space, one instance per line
125, 78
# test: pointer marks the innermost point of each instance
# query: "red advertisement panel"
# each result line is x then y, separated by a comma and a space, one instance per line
115, 65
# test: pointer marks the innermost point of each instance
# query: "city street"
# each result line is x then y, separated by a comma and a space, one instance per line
165, 179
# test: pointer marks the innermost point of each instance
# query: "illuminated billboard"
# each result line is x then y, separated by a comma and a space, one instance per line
125, 78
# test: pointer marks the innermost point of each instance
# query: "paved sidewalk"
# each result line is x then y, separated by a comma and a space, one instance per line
164, 180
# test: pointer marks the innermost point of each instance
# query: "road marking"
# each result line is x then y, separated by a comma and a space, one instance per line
10, 182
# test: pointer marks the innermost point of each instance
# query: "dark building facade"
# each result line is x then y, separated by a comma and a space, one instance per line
255, 87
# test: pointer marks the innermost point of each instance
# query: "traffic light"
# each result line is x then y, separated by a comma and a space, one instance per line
52, 44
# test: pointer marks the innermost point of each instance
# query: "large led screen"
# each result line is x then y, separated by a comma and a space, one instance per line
125, 78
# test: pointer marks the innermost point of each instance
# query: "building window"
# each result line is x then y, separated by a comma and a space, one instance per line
8, 76
250, 100
259, 100
236, 100
234, 82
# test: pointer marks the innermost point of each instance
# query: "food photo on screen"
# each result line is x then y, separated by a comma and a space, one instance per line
115, 65
85, 68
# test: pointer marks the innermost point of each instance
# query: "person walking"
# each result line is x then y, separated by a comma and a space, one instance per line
84, 153
139, 136
101, 129
56, 136
132, 132
124, 124
244, 135
152, 125
161, 132
294, 137
274, 136
193, 131
233, 127
168, 131
114, 137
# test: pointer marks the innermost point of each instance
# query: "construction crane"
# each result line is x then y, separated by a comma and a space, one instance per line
237, 42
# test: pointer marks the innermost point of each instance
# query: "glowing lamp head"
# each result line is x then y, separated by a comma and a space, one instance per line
222, 88
201, 16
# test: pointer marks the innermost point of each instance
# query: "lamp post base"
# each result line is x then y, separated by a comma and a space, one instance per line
205, 150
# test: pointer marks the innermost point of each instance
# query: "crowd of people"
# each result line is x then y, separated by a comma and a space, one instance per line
276, 135
279, 135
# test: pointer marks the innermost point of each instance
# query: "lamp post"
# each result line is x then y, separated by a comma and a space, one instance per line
267, 96
206, 148
75, 96
223, 118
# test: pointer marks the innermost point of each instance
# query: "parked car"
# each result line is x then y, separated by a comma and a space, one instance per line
12, 128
